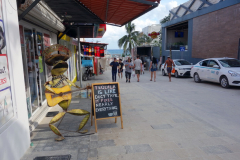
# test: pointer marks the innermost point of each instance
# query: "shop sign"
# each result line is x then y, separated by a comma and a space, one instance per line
4, 79
153, 35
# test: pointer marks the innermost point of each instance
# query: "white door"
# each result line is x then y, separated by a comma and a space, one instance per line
212, 72
202, 70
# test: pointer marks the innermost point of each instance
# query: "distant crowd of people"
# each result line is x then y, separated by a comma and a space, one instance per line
138, 67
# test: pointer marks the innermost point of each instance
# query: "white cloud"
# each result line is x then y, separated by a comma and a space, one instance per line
172, 4
141, 23
153, 17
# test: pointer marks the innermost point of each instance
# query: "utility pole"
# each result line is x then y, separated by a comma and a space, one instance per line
79, 57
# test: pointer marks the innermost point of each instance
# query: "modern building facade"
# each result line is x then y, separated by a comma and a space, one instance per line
205, 29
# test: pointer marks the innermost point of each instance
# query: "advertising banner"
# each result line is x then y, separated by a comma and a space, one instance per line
6, 106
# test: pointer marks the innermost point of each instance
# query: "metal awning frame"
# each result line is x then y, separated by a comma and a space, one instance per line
25, 12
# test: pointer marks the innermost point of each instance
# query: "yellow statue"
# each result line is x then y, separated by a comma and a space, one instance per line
58, 91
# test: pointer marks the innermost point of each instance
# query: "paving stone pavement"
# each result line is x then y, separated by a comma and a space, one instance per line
154, 129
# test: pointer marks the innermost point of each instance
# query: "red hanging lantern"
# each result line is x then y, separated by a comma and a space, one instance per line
97, 51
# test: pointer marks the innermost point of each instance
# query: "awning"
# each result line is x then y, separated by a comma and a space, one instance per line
115, 12
43, 16
88, 30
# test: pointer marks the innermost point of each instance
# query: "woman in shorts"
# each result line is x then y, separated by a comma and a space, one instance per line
153, 67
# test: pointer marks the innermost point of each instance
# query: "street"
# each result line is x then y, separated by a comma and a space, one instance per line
162, 120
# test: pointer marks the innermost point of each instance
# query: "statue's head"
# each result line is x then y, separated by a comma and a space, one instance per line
55, 54
59, 68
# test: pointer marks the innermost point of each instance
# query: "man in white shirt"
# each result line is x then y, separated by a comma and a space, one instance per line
138, 67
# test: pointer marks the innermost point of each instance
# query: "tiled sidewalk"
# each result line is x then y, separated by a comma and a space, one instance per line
154, 129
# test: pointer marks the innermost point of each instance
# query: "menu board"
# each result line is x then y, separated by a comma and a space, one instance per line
106, 101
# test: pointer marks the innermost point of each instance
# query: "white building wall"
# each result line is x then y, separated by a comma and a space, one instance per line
152, 28
14, 135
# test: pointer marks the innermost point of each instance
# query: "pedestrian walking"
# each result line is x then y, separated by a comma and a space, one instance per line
170, 64
153, 67
138, 67
114, 64
142, 72
120, 69
128, 69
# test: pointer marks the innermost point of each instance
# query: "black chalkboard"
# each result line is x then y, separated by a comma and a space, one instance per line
106, 100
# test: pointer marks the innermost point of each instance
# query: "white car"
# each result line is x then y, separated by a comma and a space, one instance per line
182, 68
225, 71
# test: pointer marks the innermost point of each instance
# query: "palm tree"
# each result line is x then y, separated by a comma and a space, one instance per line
130, 40
143, 39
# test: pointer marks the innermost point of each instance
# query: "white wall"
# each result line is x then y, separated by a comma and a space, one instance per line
152, 28
14, 136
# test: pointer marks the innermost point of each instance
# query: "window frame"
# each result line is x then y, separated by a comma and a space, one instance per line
213, 65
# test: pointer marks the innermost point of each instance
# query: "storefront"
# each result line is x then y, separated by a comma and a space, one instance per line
96, 53
34, 39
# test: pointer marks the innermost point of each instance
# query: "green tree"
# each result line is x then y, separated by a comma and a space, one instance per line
128, 41
143, 39
165, 19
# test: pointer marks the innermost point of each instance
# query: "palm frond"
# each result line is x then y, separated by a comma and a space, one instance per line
122, 40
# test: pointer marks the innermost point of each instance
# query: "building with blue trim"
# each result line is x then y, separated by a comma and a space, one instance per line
205, 28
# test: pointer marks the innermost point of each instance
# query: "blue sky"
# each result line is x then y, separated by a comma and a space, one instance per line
153, 17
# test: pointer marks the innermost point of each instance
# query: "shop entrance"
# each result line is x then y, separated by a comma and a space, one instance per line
34, 69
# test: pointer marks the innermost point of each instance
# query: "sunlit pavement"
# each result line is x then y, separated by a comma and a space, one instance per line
178, 120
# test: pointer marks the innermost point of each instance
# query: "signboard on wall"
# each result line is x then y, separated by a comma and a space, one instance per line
6, 106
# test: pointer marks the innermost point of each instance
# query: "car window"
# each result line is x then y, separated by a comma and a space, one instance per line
230, 63
182, 62
204, 63
212, 63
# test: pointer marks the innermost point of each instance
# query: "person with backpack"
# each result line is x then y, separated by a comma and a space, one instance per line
153, 67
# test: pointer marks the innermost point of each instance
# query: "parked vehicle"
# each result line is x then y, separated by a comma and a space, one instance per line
225, 71
182, 68
88, 73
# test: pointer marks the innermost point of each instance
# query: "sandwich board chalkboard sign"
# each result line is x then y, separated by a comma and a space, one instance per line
106, 102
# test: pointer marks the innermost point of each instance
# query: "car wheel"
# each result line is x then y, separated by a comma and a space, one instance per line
163, 73
224, 82
197, 78
176, 74
84, 78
